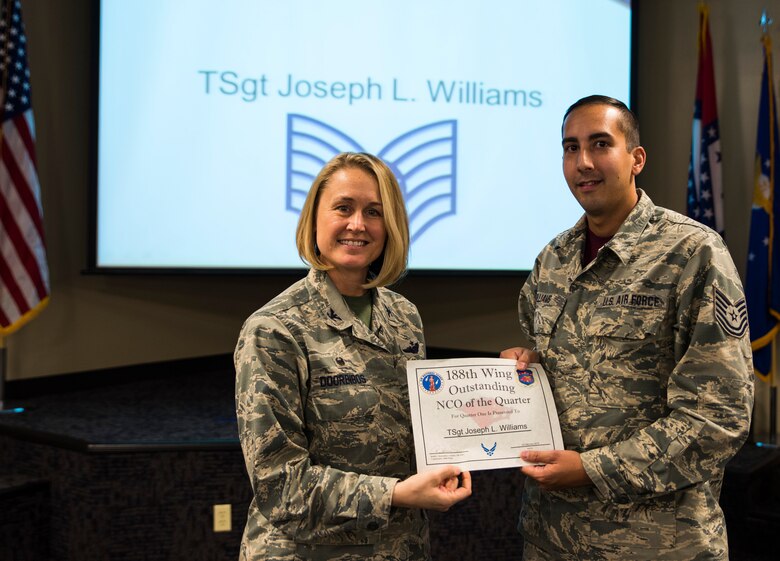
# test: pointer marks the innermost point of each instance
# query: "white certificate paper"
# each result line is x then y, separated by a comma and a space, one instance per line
479, 413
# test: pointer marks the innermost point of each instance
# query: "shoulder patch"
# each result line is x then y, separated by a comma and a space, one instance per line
731, 316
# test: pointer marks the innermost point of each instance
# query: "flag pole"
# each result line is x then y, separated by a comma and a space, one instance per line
2, 373
765, 24
2, 338
3, 363
773, 396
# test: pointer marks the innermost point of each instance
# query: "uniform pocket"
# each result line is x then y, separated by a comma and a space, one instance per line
345, 403
626, 348
626, 323
343, 429
649, 524
545, 317
339, 388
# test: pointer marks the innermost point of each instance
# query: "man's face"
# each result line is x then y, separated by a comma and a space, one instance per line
596, 164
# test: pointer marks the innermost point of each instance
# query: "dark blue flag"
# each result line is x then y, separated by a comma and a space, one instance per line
763, 267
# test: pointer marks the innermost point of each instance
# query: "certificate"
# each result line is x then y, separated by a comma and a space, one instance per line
479, 413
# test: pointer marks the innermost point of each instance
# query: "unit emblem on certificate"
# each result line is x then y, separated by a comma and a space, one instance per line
526, 377
431, 382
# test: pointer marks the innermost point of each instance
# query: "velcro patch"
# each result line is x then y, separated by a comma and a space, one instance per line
630, 300
732, 317
546, 298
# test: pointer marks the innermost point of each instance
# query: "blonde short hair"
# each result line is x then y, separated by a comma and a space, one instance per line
390, 266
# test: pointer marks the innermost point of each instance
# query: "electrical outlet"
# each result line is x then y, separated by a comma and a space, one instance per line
222, 521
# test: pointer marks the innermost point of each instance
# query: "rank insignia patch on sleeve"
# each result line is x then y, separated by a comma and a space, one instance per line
732, 317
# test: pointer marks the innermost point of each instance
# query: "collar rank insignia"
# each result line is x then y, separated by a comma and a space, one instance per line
413, 347
333, 315
731, 317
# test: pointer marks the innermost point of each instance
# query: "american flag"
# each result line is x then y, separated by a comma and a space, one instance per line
705, 196
24, 275
761, 287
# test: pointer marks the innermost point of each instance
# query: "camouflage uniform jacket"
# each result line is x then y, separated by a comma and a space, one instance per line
324, 423
649, 357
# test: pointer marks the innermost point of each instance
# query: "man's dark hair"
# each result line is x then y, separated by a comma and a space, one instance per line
628, 123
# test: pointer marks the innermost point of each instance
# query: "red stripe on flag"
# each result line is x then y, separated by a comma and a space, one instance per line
26, 135
19, 182
705, 85
26, 256
10, 284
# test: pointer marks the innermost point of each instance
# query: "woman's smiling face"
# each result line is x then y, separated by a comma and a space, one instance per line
350, 223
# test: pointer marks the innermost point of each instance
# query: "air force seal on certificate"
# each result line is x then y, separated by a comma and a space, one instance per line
479, 413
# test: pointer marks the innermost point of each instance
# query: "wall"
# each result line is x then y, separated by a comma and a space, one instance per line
96, 322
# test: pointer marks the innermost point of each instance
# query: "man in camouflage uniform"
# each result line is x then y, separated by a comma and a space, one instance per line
638, 316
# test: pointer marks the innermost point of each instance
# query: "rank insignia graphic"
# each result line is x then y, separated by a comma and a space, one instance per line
731, 316
431, 382
526, 377
424, 160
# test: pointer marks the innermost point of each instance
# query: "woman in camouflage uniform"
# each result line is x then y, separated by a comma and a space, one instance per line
321, 394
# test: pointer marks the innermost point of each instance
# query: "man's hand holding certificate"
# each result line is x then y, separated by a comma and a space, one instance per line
479, 413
